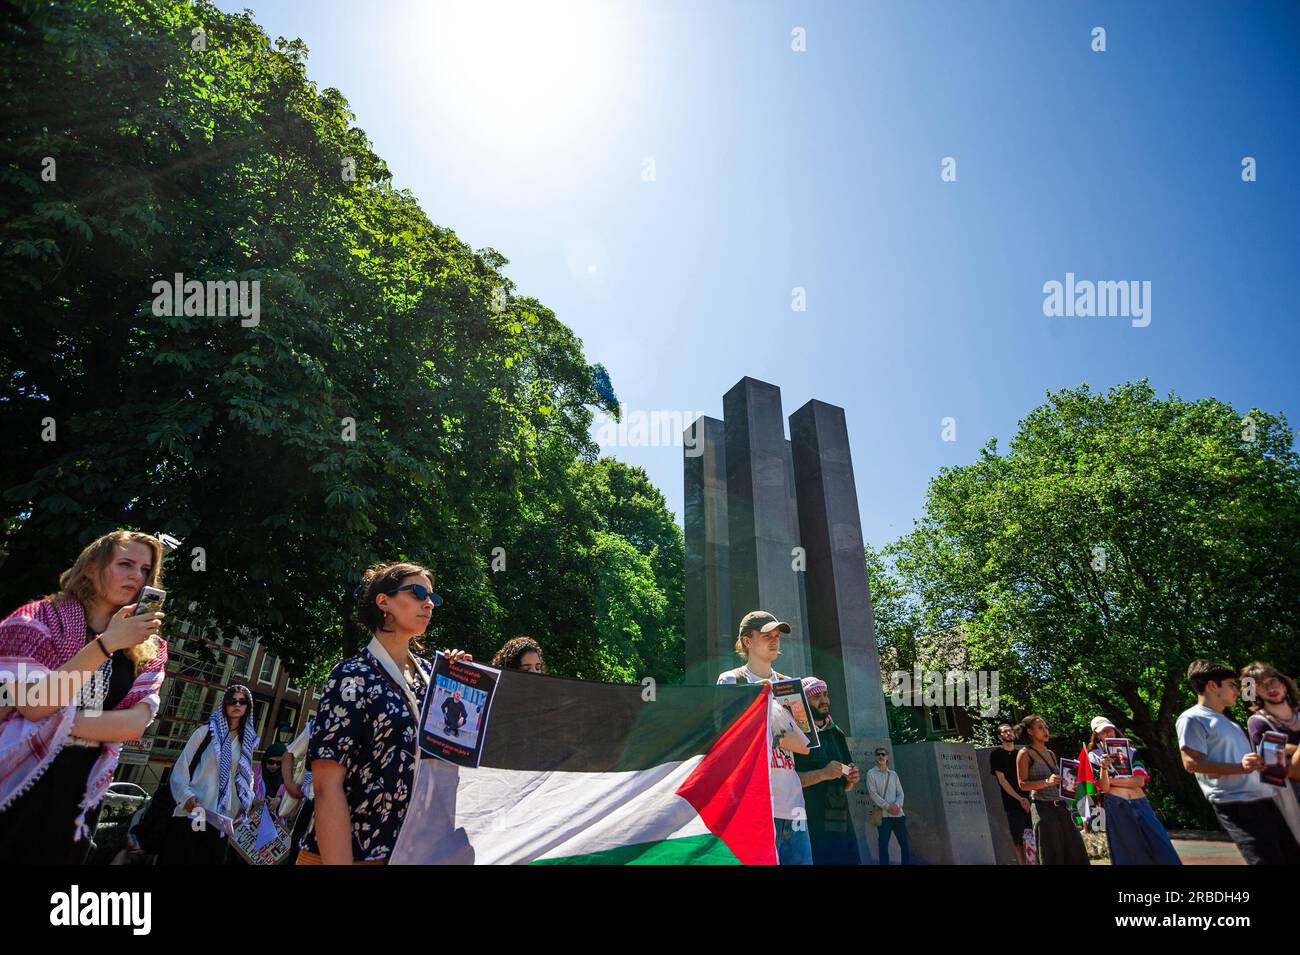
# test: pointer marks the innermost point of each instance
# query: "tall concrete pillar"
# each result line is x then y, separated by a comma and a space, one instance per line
761, 533
840, 619
709, 636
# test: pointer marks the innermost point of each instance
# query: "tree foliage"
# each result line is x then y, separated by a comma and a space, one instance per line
1120, 537
183, 140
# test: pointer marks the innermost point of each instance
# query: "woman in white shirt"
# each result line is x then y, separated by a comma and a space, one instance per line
212, 783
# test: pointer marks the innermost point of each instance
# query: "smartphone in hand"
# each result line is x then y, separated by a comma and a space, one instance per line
151, 599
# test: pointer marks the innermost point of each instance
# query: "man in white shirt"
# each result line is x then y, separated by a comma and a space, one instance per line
759, 644
1227, 768
886, 792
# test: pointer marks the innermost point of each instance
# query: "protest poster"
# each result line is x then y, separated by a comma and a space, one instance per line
455, 718
265, 842
790, 694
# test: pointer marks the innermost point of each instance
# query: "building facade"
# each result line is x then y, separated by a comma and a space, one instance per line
201, 663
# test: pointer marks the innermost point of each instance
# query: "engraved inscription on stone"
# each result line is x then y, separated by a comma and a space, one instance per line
959, 776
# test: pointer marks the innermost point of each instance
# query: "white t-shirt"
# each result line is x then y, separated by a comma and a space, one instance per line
787, 792
1220, 740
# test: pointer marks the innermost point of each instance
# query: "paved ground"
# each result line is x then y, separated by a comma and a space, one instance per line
1197, 849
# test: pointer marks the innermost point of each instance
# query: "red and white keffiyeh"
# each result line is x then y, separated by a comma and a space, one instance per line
36, 639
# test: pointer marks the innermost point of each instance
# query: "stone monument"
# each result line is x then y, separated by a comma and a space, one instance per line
773, 524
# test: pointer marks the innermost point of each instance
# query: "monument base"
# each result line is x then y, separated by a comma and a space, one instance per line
1003, 848
943, 798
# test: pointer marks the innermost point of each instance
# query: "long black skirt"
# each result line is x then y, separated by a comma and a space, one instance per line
184, 846
39, 827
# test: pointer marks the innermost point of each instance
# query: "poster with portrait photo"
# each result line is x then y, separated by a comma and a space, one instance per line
790, 694
1069, 778
455, 718
1121, 763
1272, 747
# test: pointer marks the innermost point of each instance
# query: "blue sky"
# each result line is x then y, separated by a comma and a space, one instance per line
527, 129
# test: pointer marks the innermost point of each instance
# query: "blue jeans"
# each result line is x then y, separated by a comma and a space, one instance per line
1135, 835
897, 825
793, 847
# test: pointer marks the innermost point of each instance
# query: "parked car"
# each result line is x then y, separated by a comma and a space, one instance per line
121, 803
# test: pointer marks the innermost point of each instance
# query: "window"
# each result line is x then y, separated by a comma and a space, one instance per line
186, 701
240, 667
263, 711
242, 641
172, 736
943, 719
269, 668
287, 721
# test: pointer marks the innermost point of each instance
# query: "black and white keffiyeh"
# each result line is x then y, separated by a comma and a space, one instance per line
219, 732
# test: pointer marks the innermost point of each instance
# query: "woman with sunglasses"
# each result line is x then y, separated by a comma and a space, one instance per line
212, 783
91, 674
273, 775
365, 742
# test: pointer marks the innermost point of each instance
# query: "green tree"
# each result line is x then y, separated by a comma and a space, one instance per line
396, 398
1121, 536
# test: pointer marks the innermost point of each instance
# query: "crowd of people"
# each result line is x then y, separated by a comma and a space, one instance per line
92, 671
1262, 819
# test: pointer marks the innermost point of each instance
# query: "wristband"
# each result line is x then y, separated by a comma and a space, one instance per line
99, 642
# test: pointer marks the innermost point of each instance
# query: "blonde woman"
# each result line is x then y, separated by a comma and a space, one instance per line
90, 674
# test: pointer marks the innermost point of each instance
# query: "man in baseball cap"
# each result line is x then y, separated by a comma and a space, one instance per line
828, 775
759, 644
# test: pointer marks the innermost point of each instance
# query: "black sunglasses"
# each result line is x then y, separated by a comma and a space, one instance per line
421, 593
237, 701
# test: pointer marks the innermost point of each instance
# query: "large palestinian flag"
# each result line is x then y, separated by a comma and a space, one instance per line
592, 773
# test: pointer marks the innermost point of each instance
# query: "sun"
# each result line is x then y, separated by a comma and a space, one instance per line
515, 75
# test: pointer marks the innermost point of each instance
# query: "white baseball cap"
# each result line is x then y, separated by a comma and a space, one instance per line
1100, 723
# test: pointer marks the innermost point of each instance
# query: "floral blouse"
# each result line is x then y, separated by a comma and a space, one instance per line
365, 725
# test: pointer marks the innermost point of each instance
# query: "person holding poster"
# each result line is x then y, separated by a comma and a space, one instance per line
1275, 709
1218, 753
1038, 772
363, 750
759, 644
1133, 833
212, 783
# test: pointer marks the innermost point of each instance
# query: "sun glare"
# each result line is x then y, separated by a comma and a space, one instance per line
521, 75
